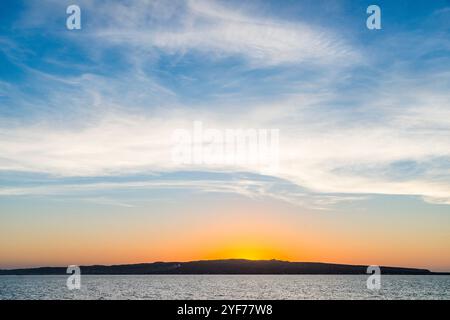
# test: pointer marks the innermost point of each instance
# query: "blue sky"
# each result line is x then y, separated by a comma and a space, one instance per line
86, 115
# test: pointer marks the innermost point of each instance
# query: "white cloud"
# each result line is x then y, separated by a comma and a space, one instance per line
213, 29
320, 156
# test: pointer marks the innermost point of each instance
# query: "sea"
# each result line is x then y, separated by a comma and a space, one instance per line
175, 287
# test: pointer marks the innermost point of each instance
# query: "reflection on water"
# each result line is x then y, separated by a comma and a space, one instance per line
225, 287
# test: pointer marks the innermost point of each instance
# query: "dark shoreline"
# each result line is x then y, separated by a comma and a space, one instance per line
224, 267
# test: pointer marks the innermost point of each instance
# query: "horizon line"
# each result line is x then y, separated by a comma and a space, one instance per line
221, 259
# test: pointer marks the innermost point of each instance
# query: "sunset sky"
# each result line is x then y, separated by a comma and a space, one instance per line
87, 120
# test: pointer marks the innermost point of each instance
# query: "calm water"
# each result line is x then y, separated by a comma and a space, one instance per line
225, 287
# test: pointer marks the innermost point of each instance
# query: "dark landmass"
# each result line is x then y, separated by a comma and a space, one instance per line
231, 266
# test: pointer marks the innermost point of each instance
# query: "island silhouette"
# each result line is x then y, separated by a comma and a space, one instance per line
228, 266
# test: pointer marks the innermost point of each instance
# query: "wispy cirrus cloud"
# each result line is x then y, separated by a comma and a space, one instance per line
211, 28
219, 31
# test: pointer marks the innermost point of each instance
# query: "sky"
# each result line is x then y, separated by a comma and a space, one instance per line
87, 119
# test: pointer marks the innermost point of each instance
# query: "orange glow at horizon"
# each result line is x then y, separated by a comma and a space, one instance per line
244, 249
254, 233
